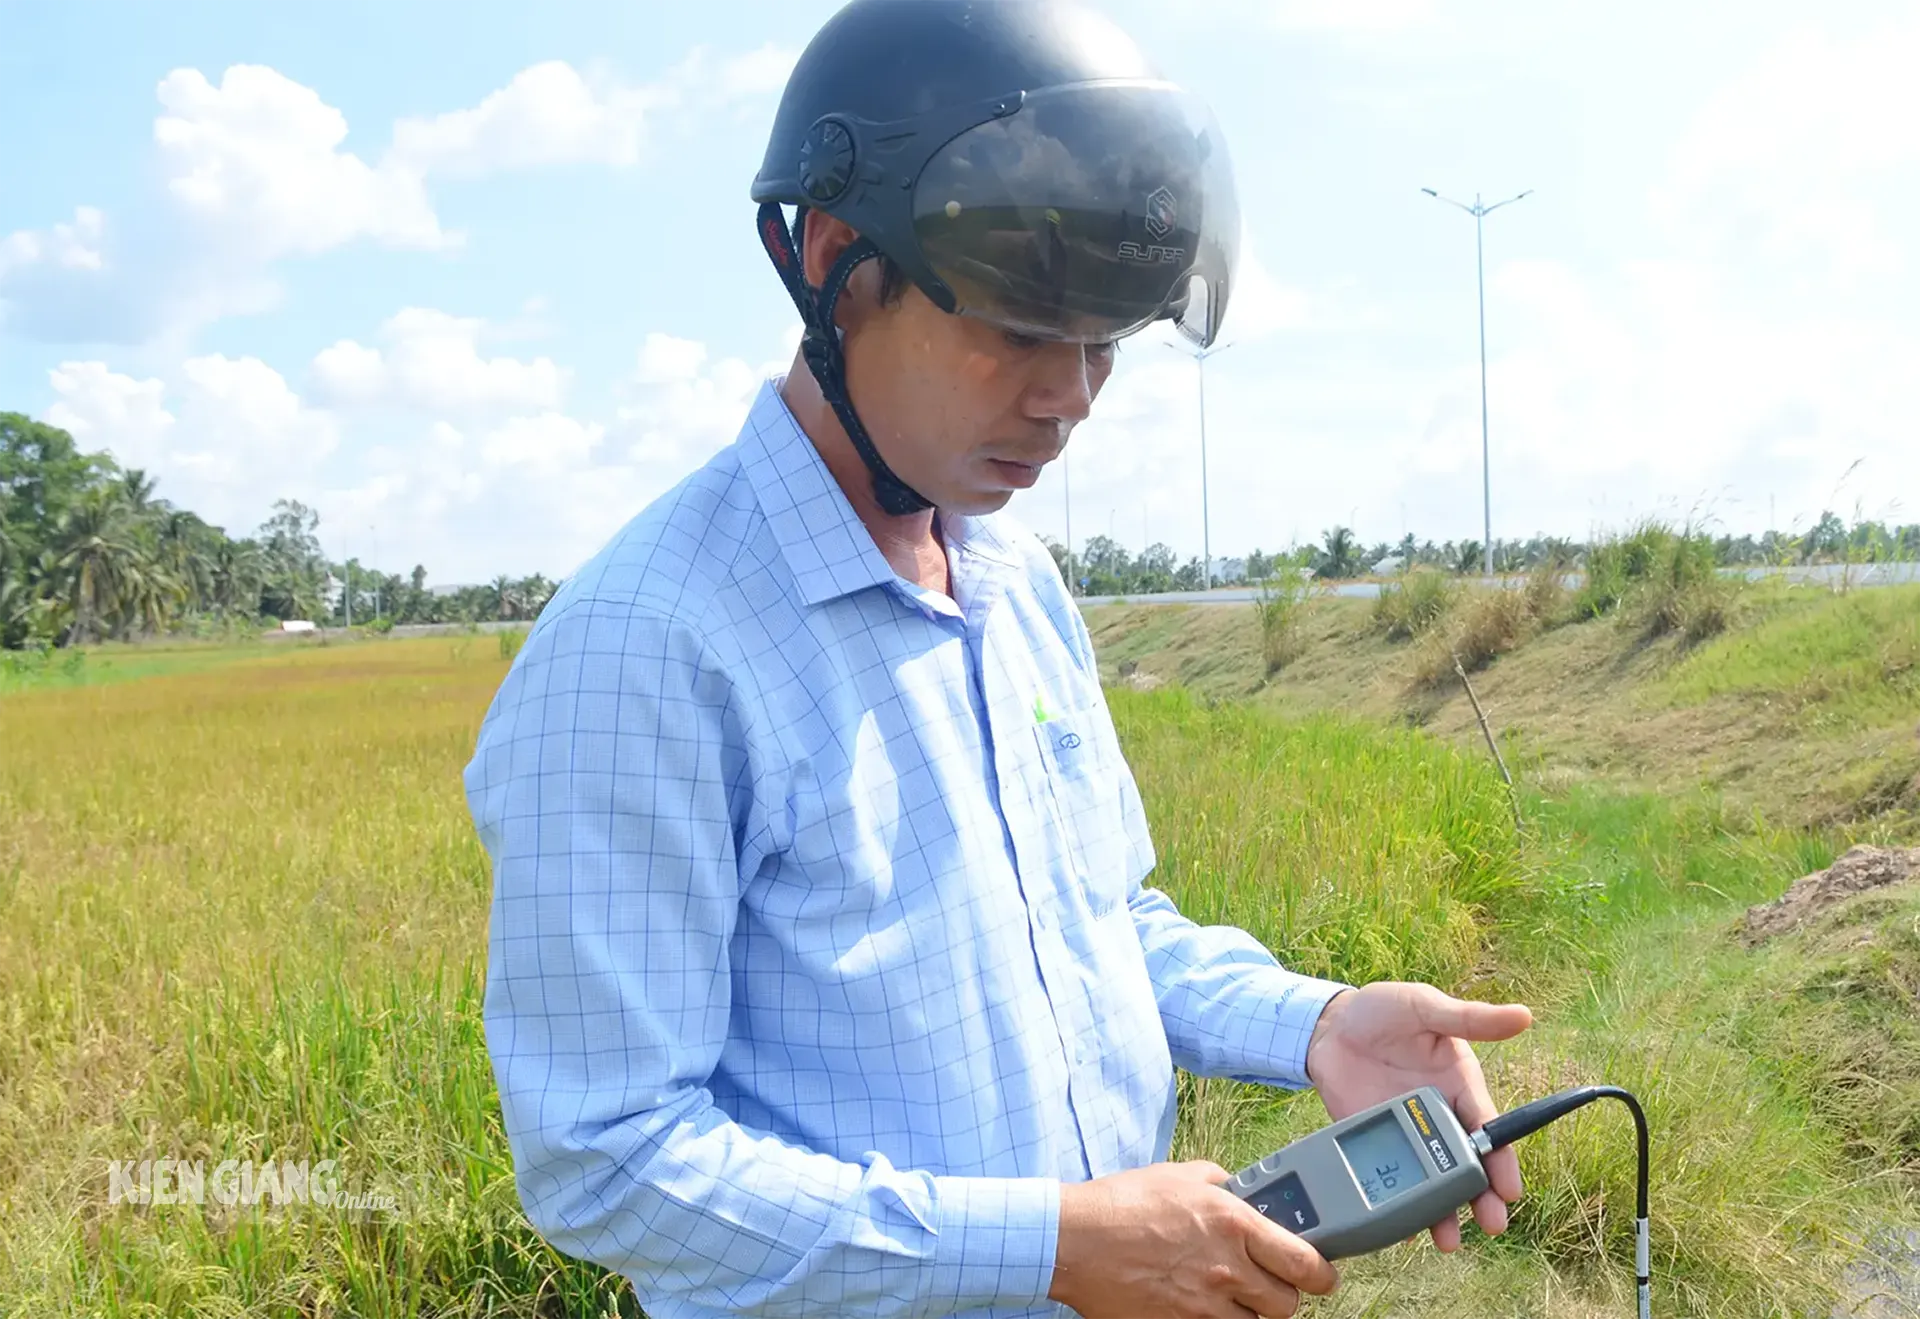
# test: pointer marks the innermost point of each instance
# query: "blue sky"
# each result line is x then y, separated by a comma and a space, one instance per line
477, 281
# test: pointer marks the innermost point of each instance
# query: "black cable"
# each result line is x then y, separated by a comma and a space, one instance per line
1529, 1118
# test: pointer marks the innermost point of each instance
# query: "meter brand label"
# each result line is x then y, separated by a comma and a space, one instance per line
1442, 1156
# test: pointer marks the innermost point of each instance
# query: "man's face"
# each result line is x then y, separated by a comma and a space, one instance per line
963, 412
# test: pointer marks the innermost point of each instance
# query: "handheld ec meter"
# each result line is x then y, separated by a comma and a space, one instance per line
1383, 1175
1369, 1180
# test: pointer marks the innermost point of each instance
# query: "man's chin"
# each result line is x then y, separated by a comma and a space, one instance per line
974, 504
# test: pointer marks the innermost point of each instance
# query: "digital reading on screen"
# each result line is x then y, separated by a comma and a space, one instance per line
1382, 1158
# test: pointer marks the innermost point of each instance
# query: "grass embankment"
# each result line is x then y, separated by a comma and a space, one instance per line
1365, 853
1804, 708
248, 922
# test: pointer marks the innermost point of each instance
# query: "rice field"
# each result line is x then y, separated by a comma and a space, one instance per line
246, 922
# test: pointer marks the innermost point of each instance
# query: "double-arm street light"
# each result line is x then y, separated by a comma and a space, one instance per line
1480, 212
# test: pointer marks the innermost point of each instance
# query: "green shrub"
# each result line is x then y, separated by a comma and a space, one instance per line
1282, 607
510, 642
1662, 580
1414, 606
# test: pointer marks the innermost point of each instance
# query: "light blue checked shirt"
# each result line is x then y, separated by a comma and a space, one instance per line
820, 955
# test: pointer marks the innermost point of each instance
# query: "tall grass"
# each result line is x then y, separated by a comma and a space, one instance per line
1662, 579
1281, 606
1351, 851
1415, 604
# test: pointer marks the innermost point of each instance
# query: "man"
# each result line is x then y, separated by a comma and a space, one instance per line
822, 976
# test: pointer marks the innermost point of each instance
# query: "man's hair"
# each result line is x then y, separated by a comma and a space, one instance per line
893, 281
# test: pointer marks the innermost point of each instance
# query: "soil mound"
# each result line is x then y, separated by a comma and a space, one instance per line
1861, 870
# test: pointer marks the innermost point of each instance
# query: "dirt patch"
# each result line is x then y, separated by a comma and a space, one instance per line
1861, 870
1138, 678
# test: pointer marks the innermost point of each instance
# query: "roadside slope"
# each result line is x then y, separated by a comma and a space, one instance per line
1807, 709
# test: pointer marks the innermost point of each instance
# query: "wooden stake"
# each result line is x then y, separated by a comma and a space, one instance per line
1486, 729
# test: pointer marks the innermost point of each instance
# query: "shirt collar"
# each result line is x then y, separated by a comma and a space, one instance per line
825, 544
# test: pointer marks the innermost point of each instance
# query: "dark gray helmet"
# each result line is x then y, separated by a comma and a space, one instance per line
1018, 160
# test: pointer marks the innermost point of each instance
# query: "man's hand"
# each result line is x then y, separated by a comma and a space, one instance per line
1171, 1240
1378, 1042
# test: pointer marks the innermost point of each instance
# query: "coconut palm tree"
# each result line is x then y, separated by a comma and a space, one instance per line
1340, 556
185, 552
239, 574
99, 556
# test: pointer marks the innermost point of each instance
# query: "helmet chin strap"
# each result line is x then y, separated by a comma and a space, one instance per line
821, 345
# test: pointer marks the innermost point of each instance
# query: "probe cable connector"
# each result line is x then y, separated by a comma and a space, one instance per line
1529, 1118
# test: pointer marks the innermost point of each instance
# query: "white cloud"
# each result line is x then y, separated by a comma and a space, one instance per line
258, 159
431, 360
1261, 305
1787, 158
553, 114
104, 410
241, 437
550, 442
1363, 15
74, 246
548, 114
682, 408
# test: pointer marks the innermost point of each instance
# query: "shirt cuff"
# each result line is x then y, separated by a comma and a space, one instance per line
1282, 1030
999, 1237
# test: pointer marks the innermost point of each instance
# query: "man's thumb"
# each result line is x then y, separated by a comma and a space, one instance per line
1446, 1015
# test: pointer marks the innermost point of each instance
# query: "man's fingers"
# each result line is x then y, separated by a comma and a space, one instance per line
1503, 1173
1445, 1015
1446, 1233
1490, 1212
1287, 1257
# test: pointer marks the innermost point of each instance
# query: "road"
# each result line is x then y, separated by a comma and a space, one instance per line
1824, 574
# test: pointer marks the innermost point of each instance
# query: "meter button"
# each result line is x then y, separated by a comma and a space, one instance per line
1286, 1203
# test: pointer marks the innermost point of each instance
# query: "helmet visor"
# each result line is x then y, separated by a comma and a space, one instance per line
1086, 215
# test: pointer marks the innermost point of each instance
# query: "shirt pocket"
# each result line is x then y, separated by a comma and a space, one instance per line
1082, 794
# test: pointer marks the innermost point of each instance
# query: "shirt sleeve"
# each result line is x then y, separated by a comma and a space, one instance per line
1229, 1008
612, 788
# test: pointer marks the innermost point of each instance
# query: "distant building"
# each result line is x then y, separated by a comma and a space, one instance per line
296, 625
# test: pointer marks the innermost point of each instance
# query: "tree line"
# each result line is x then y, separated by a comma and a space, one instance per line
1103, 566
89, 553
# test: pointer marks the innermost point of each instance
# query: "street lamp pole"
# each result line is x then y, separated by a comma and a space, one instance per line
1066, 475
1200, 356
1480, 212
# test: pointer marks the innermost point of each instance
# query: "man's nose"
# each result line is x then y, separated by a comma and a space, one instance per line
1068, 381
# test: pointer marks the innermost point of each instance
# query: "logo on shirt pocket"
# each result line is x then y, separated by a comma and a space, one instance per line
1086, 800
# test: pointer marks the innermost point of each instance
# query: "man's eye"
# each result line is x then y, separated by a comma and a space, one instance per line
1023, 342
1101, 352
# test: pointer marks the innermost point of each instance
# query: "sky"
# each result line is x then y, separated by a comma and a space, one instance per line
478, 281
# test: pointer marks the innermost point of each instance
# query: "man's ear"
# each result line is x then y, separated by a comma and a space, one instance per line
822, 244
824, 239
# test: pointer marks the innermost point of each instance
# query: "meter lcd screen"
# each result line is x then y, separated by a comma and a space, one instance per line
1382, 1158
